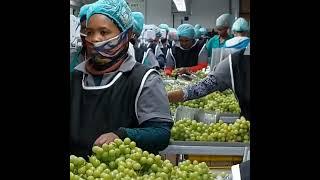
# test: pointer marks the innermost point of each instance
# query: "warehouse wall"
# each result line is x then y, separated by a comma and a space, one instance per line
203, 12
158, 11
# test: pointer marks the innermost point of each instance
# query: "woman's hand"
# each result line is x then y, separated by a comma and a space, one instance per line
183, 70
106, 138
175, 96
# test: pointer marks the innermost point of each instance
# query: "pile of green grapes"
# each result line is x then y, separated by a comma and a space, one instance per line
123, 160
217, 101
200, 75
191, 130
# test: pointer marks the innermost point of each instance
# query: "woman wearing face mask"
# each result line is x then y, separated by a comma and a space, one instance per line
186, 54
112, 95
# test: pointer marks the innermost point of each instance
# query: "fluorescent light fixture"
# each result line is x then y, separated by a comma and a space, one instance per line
180, 4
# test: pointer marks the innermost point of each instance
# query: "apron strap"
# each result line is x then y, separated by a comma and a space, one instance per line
231, 73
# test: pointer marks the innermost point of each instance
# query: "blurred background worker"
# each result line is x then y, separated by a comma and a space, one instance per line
138, 22
223, 24
151, 39
240, 28
172, 37
203, 35
165, 44
185, 55
79, 56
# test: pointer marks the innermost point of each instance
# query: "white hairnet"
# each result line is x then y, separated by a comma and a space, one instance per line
225, 20
240, 25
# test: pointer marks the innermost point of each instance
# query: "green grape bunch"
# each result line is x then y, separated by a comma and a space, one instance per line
191, 130
221, 102
122, 159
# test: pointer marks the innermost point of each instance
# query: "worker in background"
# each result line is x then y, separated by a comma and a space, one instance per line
112, 95
223, 24
138, 22
196, 33
172, 36
212, 33
232, 73
79, 56
152, 35
164, 42
185, 55
240, 29
203, 35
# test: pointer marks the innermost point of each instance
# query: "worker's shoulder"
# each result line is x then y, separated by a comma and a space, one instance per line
211, 40
144, 70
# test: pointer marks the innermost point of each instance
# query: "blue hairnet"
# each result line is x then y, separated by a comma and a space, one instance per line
197, 34
203, 31
164, 26
83, 12
116, 10
225, 20
138, 21
197, 26
186, 30
240, 25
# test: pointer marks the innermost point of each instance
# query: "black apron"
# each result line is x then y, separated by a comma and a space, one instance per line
95, 112
139, 52
186, 58
241, 76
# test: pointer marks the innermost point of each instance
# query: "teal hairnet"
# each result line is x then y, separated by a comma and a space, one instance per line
203, 31
164, 26
240, 25
225, 20
186, 30
138, 21
83, 12
197, 26
197, 34
116, 10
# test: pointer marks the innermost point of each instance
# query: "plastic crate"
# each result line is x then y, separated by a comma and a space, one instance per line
195, 114
228, 117
216, 162
183, 112
204, 116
